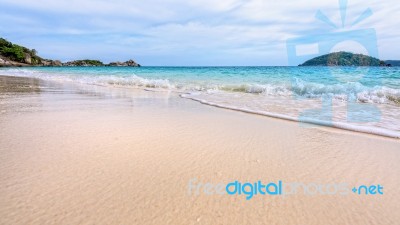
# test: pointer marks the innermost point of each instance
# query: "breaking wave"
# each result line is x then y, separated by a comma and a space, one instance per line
297, 88
275, 98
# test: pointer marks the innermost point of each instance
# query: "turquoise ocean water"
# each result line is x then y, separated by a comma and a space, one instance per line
366, 99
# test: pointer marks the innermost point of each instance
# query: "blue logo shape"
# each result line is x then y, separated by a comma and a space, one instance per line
323, 44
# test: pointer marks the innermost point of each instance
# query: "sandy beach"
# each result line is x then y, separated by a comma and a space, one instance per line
73, 154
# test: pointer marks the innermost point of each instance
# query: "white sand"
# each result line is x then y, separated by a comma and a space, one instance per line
114, 156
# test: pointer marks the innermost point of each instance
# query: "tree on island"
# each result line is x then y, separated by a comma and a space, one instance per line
343, 59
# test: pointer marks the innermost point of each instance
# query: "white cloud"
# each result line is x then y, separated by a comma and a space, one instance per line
195, 32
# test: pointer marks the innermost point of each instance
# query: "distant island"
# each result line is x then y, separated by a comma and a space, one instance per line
348, 59
16, 55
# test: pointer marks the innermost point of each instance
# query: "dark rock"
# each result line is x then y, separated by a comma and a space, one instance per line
131, 63
127, 63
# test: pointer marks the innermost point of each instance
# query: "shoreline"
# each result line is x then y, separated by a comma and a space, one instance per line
375, 131
336, 125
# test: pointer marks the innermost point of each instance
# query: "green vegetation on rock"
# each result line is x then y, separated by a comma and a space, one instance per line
85, 62
18, 53
343, 59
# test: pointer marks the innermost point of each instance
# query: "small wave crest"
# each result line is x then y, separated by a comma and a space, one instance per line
104, 80
344, 92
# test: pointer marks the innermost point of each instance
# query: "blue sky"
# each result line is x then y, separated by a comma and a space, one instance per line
173, 33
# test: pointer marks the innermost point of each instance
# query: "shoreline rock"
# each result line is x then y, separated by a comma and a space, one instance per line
89, 63
4, 62
129, 63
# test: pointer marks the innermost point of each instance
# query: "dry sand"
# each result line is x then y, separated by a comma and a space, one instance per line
95, 155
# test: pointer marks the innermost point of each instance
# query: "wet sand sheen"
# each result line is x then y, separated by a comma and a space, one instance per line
92, 155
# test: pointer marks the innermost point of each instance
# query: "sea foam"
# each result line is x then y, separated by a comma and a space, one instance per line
275, 94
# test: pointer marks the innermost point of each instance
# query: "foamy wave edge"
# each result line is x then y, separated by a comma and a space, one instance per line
341, 92
102, 80
360, 129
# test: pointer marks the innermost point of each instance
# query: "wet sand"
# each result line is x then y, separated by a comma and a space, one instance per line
99, 155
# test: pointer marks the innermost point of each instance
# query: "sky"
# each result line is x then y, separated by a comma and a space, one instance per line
190, 32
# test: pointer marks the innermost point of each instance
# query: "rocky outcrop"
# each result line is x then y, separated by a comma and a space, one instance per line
4, 62
132, 63
85, 62
127, 63
116, 64
88, 62
47, 62
16, 55
56, 63
28, 59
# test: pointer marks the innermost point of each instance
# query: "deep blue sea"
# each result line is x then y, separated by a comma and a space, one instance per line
356, 98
